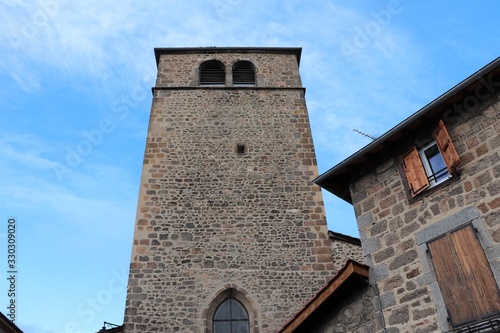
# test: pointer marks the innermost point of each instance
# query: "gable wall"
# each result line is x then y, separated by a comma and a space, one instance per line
352, 314
343, 251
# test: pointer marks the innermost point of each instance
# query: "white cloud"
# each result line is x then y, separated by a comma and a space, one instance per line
26, 150
94, 200
36, 329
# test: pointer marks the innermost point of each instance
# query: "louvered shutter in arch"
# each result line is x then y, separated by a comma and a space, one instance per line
212, 72
243, 73
448, 151
415, 172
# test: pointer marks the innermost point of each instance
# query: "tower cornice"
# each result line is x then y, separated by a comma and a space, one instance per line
297, 51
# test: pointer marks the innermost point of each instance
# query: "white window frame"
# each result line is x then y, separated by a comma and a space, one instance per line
427, 165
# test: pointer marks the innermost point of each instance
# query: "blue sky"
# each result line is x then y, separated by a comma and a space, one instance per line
75, 79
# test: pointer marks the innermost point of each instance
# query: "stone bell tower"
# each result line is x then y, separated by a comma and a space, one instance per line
230, 233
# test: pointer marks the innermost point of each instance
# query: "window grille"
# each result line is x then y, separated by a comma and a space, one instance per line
488, 326
432, 164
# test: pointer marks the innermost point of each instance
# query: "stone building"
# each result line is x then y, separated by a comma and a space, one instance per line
344, 247
426, 196
344, 304
231, 236
230, 233
7, 325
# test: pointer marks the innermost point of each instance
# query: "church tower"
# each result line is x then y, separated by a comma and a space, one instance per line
230, 233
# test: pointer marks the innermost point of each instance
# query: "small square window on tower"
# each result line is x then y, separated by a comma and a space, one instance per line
240, 149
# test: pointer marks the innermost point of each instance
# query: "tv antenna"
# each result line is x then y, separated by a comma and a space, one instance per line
365, 134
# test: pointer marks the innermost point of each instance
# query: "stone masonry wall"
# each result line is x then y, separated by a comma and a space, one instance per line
342, 251
209, 218
272, 70
353, 314
388, 223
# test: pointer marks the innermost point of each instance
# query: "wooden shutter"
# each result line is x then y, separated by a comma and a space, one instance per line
464, 276
415, 172
446, 147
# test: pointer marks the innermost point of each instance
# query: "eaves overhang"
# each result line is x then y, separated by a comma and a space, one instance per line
8, 326
344, 238
337, 179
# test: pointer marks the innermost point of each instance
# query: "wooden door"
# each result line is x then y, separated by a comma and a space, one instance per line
467, 284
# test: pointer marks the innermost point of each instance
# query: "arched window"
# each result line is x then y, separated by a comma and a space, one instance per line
230, 317
244, 73
212, 72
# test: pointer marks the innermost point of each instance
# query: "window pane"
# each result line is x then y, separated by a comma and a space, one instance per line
223, 311
237, 310
231, 317
240, 326
436, 163
222, 327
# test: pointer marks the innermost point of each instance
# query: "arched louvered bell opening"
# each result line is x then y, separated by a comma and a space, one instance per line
244, 73
212, 73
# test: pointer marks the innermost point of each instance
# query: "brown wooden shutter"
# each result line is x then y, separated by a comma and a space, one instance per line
446, 147
415, 172
464, 276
